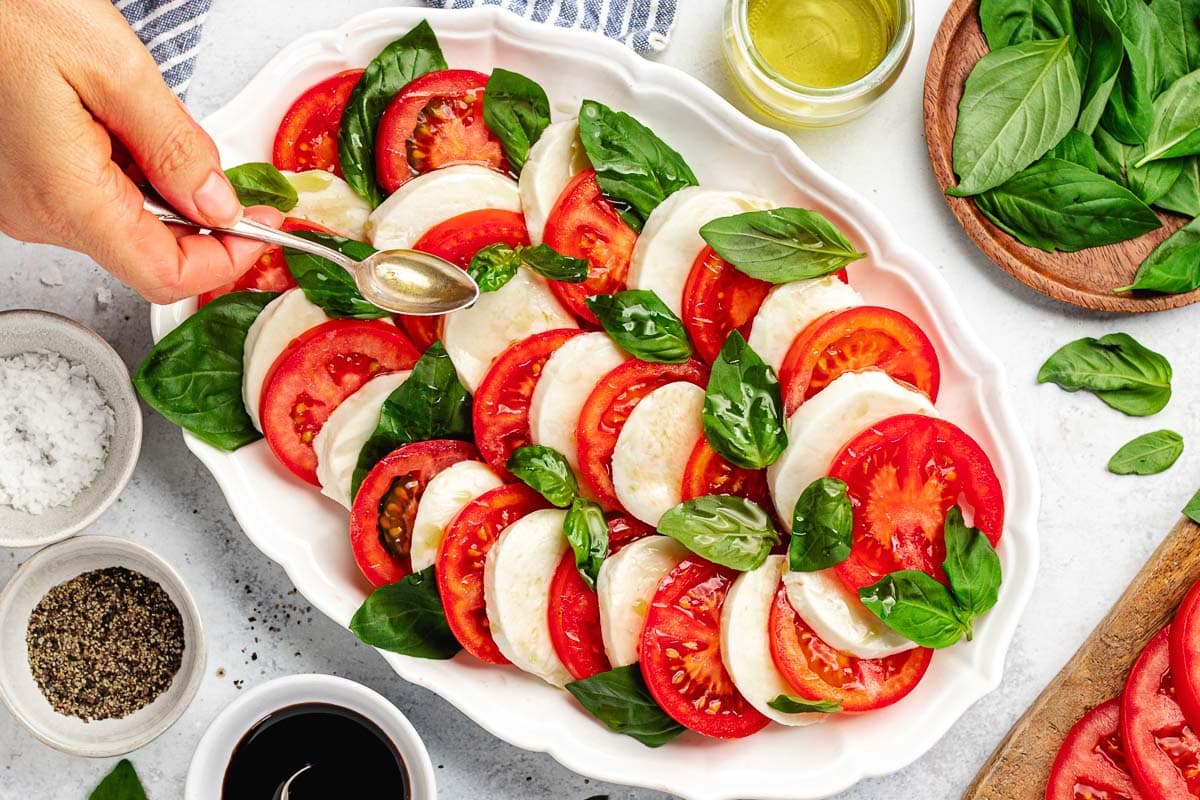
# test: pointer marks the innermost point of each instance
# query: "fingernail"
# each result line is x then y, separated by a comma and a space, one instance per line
217, 201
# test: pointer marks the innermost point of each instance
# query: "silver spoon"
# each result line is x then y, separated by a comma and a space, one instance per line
284, 792
400, 281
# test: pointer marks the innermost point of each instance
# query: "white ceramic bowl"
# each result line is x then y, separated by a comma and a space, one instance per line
306, 534
207, 771
20, 694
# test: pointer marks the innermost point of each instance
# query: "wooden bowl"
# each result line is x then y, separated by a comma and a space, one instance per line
1085, 278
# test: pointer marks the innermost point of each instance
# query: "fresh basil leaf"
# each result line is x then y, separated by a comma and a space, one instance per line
1118, 162
1176, 128
917, 607
260, 184
731, 531
410, 56
743, 407
1099, 51
120, 784
795, 705
1192, 509
1179, 26
1018, 103
1006, 23
971, 565
193, 376
822, 523
497, 264
780, 245
1116, 368
516, 110
1130, 111
494, 266
587, 532
1173, 267
325, 283
543, 260
1057, 205
1184, 195
635, 169
1148, 454
407, 617
619, 698
546, 471
642, 325
1076, 147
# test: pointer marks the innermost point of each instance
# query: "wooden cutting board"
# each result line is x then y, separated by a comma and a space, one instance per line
1020, 767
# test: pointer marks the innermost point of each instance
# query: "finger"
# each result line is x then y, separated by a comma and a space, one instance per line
208, 262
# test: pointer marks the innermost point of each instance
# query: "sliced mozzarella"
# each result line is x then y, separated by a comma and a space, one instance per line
345, 432
522, 307
435, 197
823, 425
790, 308
837, 616
746, 643
516, 589
327, 200
625, 587
669, 242
553, 160
446, 494
282, 320
653, 449
567, 379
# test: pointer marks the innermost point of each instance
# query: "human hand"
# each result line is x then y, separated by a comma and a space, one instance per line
81, 100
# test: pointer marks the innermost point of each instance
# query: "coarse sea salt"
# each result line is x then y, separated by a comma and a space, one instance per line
55, 426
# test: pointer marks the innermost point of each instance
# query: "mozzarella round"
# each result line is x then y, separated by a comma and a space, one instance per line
555, 158
347, 429
522, 307
823, 425
790, 307
446, 494
669, 242
327, 200
653, 448
280, 321
516, 589
746, 644
567, 379
838, 617
435, 197
625, 588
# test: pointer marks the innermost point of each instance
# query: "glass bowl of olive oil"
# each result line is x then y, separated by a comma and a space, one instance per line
816, 63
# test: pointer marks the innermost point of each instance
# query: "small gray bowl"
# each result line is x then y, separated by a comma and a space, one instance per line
22, 330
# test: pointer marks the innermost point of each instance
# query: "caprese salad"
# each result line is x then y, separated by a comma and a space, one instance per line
671, 460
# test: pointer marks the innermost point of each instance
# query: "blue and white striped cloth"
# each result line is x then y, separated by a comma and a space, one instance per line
171, 30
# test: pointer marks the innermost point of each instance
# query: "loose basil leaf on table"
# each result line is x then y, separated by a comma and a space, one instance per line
587, 532
917, 607
731, 531
328, 285
1076, 147
795, 705
260, 184
1116, 368
743, 407
546, 471
193, 376
1184, 195
635, 169
1099, 51
780, 245
1129, 114
620, 699
1176, 128
971, 565
1148, 454
1180, 50
516, 110
497, 264
410, 56
642, 325
1192, 509
1173, 267
1118, 162
120, 784
407, 617
822, 526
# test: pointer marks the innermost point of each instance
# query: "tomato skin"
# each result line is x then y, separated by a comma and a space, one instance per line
461, 559
418, 462
270, 273
308, 135
1091, 761
708, 472
1185, 656
606, 409
717, 300
317, 371
584, 224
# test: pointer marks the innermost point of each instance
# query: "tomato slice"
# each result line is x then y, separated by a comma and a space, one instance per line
318, 370
717, 300
680, 652
866, 337
381, 518
606, 409
461, 559
1091, 763
308, 135
270, 273
1185, 656
1163, 750
584, 224
903, 475
707, 472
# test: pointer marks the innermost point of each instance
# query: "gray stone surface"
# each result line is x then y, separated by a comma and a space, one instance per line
1096, 529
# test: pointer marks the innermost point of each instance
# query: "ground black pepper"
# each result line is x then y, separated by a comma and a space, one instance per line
104, 644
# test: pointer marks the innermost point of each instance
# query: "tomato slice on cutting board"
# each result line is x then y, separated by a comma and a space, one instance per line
381, 518
461, 559
308, 135
717, 300
270, 273
318, 370
903, 475
1185, 656
1091, 763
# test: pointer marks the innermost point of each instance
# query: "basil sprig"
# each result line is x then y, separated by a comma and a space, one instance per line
407, 617
1116, 368
743, 407
780, 245
546, 471
120, 784
1174, 266
497, 264
516, 110
731, 531
587, 532
795, 705
642, 325
327, 284
260, 184
1148, 454
193, 376
620, 699
822, 525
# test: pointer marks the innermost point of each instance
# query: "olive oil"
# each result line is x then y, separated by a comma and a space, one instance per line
822, 43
